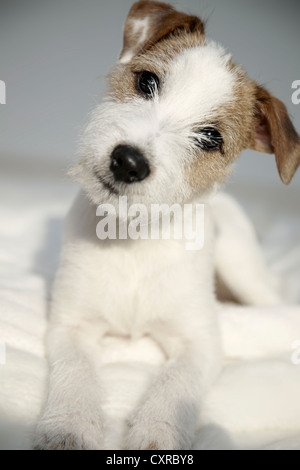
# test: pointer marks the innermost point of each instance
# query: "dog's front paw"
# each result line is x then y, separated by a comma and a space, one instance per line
155, 434
59, 440
68, 434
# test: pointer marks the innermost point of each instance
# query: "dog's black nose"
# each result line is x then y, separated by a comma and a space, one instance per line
128, 164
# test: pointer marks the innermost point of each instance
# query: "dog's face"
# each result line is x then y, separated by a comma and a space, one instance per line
177, 114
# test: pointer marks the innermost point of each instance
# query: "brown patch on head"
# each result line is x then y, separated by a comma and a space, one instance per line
149, 22
154, 33
234, 121
122, 80
253, 119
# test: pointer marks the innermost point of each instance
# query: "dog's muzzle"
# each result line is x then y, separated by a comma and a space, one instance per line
128, 164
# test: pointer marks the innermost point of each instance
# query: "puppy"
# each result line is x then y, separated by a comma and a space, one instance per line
177, 114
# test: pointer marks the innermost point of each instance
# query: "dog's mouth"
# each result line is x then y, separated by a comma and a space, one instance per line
106, 184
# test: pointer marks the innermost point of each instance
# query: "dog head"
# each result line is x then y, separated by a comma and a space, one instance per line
177, 114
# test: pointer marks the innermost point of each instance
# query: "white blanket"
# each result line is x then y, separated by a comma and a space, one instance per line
254, 403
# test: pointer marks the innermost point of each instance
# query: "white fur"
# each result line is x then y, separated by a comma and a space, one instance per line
140, 28
139, 288
198, 83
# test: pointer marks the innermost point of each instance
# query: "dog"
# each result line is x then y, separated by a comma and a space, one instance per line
177, 114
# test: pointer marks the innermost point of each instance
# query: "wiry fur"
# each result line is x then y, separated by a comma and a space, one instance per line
154, 288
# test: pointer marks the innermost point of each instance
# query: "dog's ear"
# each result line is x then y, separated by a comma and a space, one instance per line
148, 22
274, 133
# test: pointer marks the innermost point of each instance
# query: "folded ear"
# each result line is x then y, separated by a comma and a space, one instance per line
274, 133
148, 22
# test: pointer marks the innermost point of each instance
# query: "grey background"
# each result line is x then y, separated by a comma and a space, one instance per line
54, 56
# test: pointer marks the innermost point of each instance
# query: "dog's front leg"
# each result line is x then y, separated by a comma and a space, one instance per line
72, 417
169, 414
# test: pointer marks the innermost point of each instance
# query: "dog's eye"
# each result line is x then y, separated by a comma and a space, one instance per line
147, 83
209, 139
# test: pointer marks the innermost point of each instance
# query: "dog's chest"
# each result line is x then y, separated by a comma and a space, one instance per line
142, 284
